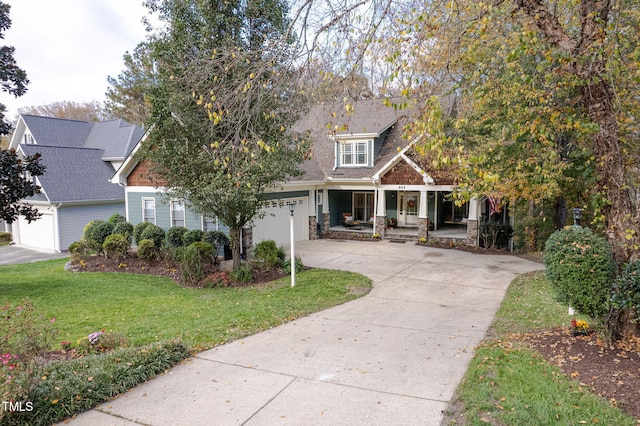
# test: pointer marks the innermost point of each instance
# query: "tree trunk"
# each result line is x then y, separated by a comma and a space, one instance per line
617, 209
234, 239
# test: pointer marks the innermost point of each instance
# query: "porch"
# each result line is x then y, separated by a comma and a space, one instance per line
457, 234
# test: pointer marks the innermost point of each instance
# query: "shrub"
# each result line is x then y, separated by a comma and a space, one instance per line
25, 336
147, 250
115, 246
124, 228
5, 237
626, 290
116, 218
174, 236
190, 261
153, 233
581, 270
243, 274
80, 250
192, 236
286, 266
206, 250
219, 279
267, 252
495, 235
218, 239
96, 232
81, 384
137, 231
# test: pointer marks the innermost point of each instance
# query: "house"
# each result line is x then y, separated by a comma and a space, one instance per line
363, 176
80, 159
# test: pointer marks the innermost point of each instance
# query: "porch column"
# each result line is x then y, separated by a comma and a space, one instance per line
423, 215
472, 223
326, 216
313, 214
381, 213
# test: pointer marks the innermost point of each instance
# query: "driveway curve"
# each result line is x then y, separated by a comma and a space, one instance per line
392, 357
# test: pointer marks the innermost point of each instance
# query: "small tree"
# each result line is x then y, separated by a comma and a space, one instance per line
17, 182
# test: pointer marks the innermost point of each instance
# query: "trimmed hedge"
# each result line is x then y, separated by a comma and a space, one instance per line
154, 233
96, 232
174, 236
192, 236
72, 387
581, 270
137, 231
626, 290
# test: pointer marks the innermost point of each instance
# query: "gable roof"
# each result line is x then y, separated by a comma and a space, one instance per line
369, 118
75, 174
116, 137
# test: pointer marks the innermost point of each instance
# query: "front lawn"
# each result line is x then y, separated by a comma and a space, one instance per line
149, 309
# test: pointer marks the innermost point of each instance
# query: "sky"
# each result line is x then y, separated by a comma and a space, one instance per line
69, 47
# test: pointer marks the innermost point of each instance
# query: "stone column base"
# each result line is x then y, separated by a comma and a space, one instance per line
423, 227
313, 228
472, 233
381, 225
326, 222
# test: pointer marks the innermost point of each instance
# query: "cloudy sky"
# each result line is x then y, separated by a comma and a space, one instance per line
69, 47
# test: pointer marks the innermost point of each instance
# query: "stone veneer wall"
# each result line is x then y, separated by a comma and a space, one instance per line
472, 233
326, 222
381, 225
313, 228
423, 226
247, 242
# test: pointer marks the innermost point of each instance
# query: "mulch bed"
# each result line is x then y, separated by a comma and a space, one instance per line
611, 371
132, 264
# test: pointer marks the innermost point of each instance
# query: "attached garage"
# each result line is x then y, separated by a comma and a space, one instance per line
276, 223
40, 233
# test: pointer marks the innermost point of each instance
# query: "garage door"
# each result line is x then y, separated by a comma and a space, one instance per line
39, 233
275, 225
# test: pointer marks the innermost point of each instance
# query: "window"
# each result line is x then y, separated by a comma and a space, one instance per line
354, 153
149, 210
362, 206
209, 224
177, 213
28, 139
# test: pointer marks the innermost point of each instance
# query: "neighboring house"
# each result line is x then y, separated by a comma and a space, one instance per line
80, 159
363, 176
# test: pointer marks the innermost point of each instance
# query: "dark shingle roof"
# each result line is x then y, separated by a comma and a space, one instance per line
116, 137
75, 174
328, 122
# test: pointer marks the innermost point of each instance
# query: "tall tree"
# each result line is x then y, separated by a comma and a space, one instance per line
545, 100
222, 106
85, 111
12, 78
17, 182
127, 96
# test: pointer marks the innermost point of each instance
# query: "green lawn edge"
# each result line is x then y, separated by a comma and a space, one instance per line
507, 383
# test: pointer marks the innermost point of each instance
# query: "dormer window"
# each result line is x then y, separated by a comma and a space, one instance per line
354, 153
28, 139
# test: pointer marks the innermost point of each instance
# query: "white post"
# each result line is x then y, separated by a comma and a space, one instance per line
293, 250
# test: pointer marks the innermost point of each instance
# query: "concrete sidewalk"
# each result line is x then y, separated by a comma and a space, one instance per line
393, 357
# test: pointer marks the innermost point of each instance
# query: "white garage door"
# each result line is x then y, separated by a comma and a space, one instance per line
275, 225
39, 233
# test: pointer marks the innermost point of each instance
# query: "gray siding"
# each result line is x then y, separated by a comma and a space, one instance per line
73, 219
163, 212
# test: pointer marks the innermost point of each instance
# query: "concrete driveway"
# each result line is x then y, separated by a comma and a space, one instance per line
393, 357
13, 254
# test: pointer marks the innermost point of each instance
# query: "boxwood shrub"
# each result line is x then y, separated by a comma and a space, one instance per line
174, 236
124, 228
137, 231
192, 236
154, 233
115, 246
626, 290
147, 250
96, 232
581, 270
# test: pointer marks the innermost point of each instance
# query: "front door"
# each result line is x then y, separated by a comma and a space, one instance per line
408, 208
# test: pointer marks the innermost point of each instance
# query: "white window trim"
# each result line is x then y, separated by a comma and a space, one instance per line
353, 143
184, 213
214, 219
155, 210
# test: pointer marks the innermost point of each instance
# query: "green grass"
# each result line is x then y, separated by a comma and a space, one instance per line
148, 309
508, 384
